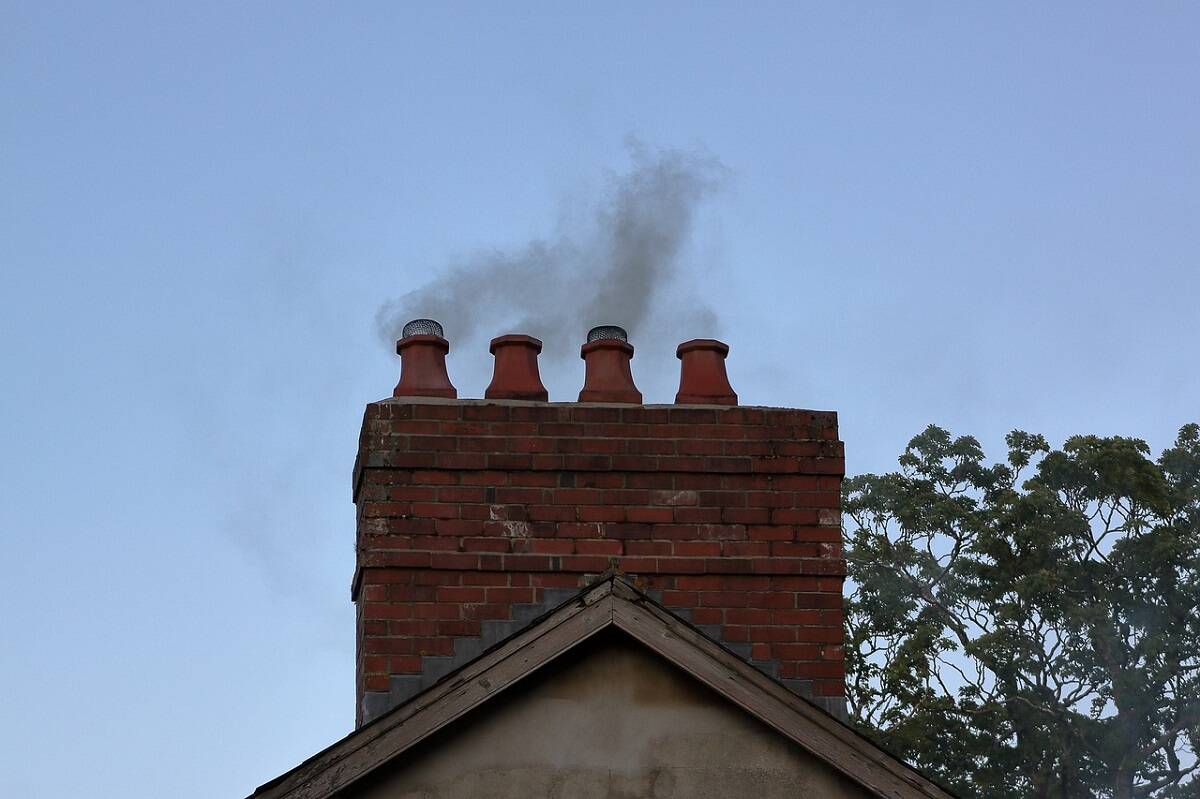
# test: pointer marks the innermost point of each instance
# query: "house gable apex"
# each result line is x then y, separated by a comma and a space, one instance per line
611, 602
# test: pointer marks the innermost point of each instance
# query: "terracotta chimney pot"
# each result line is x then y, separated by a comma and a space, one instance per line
515, 375
702, 377
422, 354
607, 376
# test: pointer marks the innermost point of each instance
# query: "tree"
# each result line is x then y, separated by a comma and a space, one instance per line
1036, 638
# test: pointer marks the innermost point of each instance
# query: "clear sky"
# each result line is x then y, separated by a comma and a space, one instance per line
982, 215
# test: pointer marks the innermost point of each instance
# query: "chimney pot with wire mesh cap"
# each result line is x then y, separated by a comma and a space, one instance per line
422, 352
607, 374
515, 374
702, 376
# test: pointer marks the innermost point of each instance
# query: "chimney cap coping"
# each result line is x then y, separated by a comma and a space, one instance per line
702, 344
423, 338
424, 400
515, 338
606, 344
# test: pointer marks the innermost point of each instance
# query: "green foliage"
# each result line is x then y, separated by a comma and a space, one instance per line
1036, 637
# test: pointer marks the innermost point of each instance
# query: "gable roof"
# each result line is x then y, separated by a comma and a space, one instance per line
612, 602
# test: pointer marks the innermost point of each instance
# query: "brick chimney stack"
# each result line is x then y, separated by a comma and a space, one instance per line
477, 516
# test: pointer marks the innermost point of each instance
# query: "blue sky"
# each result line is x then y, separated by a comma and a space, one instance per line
980, 215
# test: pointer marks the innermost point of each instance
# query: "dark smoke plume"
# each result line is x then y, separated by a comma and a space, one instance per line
612, 269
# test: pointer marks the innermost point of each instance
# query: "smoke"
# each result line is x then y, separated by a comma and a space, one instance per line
619, 266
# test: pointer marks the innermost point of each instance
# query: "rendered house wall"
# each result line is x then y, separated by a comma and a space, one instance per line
611, 721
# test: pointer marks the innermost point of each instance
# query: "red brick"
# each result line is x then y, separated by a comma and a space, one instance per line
675, 497
458, 628
526, 563
435, 611
467, 508
485, 578
676, 532
649, 547
796, 651
773, 633
587, 463
819, 534
598, 547
460, 594
458, 527
448, 560
477, 512
552, 546
774, 600
745, 548
410, 493
584, 563
435, 510
547, 462
413, 627
376, 682
650, 515
641, 463
577, 496
388, 611
829, 687
418, 590
384, 509
697, 515
626, 530
627, 498
700, 582
796, 583
770, 533
404, 664
493, 610
639, 565
752, 447
711, 482
729, 565
677, 599
832, 635
510, 595
555, 580
747, 616
551, 513
388, 646
650, 446
700, 548
560, 429
460, 494
601, 514
722, 532
374, 593
794, 550
699, 447
580, 530
438, 543
723, 599
519, 496
411, 526
417, 559
724, 499
745, 515
435, 477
